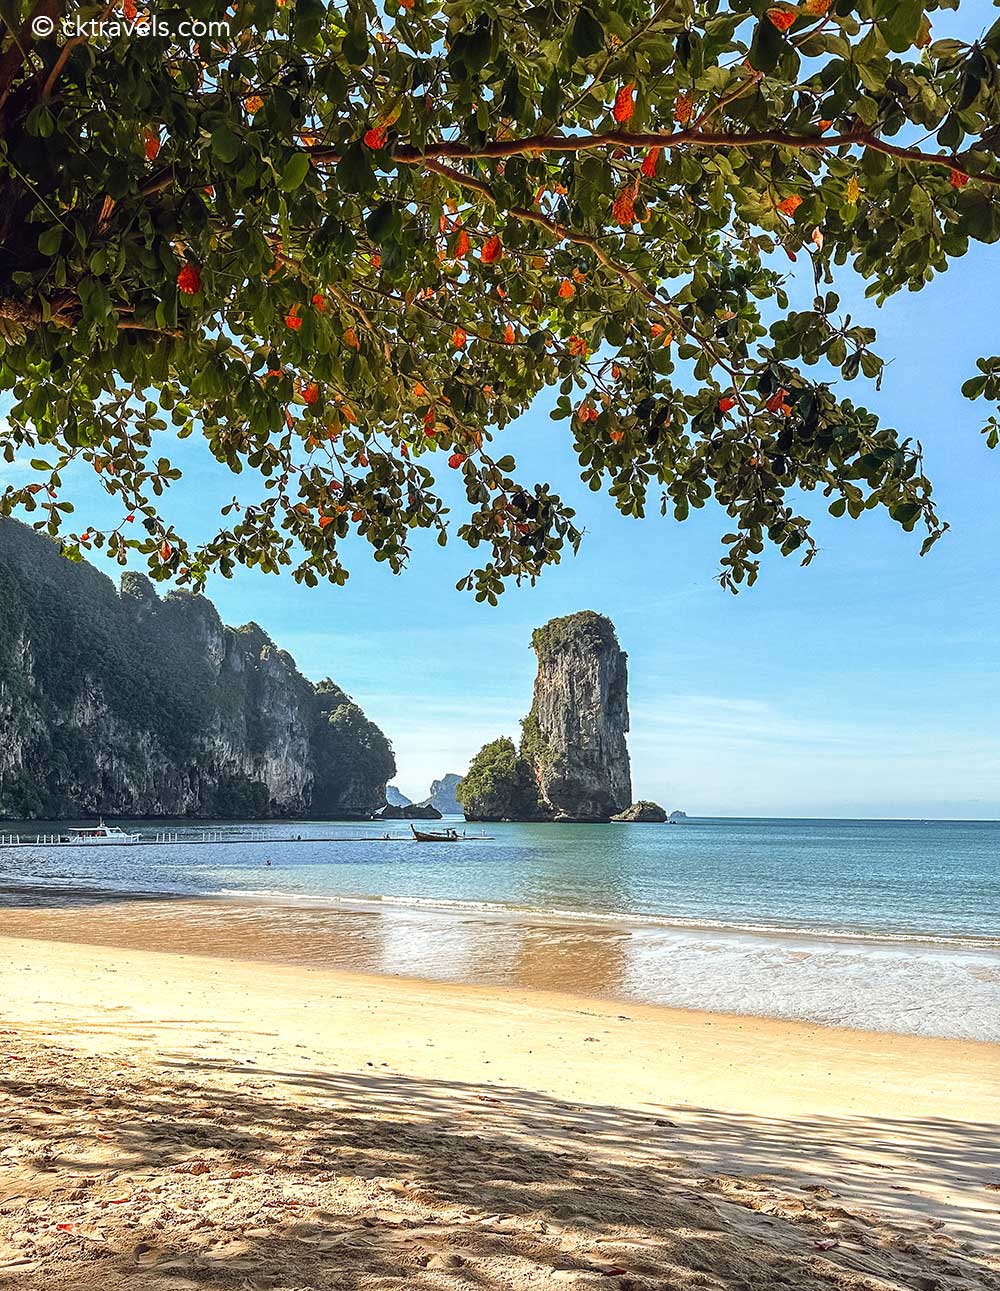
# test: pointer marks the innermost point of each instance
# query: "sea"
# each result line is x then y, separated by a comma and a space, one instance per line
884, 925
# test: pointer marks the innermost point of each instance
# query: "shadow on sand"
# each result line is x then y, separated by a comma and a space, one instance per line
216, 1174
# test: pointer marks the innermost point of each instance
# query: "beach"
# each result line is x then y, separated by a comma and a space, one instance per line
190, 1120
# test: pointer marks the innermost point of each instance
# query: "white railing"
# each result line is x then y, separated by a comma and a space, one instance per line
40, 840
162, 837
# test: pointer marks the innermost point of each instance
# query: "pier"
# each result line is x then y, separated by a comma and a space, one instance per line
211, 838
214, 838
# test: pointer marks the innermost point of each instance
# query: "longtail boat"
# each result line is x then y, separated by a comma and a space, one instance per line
422, 836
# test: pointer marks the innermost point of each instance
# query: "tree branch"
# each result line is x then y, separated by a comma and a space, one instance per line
693, 138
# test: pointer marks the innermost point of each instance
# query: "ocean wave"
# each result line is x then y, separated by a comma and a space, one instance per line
621, 918
625, 919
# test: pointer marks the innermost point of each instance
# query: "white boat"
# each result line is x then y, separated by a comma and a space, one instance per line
100, 834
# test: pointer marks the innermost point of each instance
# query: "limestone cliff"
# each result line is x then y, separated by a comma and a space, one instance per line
442, 795
125, 704
574, 736
573, 762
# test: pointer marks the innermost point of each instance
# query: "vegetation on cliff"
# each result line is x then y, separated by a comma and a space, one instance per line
586, 629
350, 752
499, 785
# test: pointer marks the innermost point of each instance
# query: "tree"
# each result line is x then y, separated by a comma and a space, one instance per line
499, 785
349, 243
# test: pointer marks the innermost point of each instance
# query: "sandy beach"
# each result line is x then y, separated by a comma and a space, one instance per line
183, 1121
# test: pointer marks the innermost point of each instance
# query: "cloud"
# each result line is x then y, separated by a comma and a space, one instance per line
731, 755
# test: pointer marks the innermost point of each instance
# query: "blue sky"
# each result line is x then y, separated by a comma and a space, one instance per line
866, 684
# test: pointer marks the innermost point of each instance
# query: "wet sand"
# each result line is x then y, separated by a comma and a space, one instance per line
917, 988
185, 1120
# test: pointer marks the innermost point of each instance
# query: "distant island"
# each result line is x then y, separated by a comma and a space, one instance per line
117, 702
440, 802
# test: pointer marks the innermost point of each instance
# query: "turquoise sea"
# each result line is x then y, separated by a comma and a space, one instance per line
886, 925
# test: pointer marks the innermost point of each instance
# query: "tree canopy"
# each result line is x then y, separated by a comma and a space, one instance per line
349, 244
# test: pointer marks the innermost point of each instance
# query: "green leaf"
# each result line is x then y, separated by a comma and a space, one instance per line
50, 241
225, 144
295, 171
767, 46
587, 34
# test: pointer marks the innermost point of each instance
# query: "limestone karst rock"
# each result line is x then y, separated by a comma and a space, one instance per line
442, 795
573, 762
642, 812
574, 736
123, 703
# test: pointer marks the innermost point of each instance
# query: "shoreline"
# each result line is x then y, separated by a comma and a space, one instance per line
373, 902
870, 987
856, 1091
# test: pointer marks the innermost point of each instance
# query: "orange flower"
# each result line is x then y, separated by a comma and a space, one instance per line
351, 338
508, 334
577, 346
129, 10
419, 390
824, 124
319, 303
189, 280
458, 338
683, 109
649, 162
781, 18
324, 520
461, 244
456, 460
727, 403
406, 4
292, 320
566, 289
617, 436
623, 208
310, 392
776, 400
816, 8
491, 250
789, 205
957, 178
375, 139
253, 103
152, 144
166, 551
624, 103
